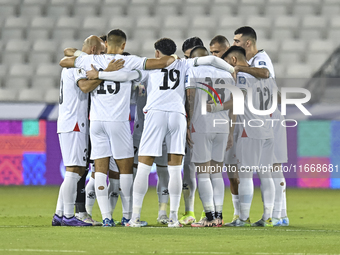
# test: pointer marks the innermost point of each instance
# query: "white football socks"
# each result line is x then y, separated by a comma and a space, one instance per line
90, 194
268, 194
70, 192
126, 183
236, 203
162, 189
175, 190
140, 187
113, 190
246, 193
205, 191
189, 187
279, 183
102, 195
60, 202
218, 190
284, 203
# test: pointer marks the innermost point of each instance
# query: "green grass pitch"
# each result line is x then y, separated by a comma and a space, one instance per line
26, 214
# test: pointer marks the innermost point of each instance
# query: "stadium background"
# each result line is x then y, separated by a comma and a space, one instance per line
301, 37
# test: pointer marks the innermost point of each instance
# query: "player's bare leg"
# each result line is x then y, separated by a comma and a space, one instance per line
102, 166
163, 193
205, 190
218, 190
125, 167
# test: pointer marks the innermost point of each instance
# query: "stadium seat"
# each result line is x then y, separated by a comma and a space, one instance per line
52, 96
43, 83
40, 57
45, 46
94, 23
248, 10
124, 23
111, 10
148, 22
175, 21
260, 24
144, 33
281, 34
71, 44
334, 34
13, 57
286, 22
174, 2
316, 59
280, 2
309, 34
148, 53
10, 2
3, 70
21, 70
133, 46
335, 22
279, 70
14, 45
61, 34
203, 22
200, 32
171, 33
330, 10
49, 70
189, 9
303, 9
16, 83
148, 45
116, 2
7, 95
275, 10
326, 46
315, 22
299, 71
293, 45
31, 95
227, 32
58, 10
165, 10
7, 10
144, 2
40, 28
231, 22
31, 10
218, 11
86, 10
138, 11
68, 22
288, 58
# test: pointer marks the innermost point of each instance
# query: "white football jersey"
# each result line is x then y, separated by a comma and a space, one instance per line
203, 79
262, 60
256, 126
73, 102
110, 101
165, 87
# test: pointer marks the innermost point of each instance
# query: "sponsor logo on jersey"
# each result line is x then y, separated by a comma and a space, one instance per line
262, 63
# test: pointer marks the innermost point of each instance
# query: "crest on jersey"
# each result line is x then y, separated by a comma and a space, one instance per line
241, 80
262, 63
186, 78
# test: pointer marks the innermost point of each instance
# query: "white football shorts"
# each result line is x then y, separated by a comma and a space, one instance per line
73, 147
111, 138
253, 153
208, 146
159, 125
160, 161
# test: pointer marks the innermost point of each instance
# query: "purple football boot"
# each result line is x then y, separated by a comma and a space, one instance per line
56, 221
74, 222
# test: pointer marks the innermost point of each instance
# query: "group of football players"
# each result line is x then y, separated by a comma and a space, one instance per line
184, 108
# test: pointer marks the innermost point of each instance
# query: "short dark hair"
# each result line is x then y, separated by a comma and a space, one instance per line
246, 31
126, 53
166, 46
191, 43
220, 39
237, 49
116, 36
198, 48
103, 37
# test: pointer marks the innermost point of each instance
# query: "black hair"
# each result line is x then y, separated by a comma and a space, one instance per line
166, 46
237, 49
197, 48
116, 36
103, 37
220, 39
191, 43
246, 31
126, 53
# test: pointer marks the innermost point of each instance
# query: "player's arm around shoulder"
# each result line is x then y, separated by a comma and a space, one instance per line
257, 72
159, 63
67, 62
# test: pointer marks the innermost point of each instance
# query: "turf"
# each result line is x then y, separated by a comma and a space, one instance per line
26, 214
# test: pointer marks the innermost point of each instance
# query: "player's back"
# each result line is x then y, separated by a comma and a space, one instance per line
110, 101
73, 102
165, 87
256, 126
208, 82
